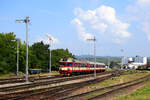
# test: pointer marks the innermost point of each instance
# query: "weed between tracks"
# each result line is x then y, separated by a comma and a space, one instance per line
131, 75
97, 93
120, 79
139, 94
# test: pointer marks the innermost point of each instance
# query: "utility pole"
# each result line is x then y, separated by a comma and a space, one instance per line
50, 39
26, 21
108, 62
122, 59
50, 61
17, 72
94, 40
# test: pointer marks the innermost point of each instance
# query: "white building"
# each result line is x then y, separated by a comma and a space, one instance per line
124, 60
133, 63
139, 59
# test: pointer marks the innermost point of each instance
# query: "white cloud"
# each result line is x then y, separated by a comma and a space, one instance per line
103, 20
118, 41
143, 3
81, 30
146, 29
141, 13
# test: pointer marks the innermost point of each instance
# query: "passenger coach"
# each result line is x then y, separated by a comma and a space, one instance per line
71, 67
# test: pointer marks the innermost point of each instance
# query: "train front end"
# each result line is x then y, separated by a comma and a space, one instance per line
65, 68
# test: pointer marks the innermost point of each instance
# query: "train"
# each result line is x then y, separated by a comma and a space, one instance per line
74, 67
144, 67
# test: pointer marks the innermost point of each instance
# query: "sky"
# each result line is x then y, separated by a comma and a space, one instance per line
121, 27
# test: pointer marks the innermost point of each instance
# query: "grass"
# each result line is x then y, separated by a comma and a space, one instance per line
116, 80
122, 78
139, 94
97, 93
9, 75
108, 69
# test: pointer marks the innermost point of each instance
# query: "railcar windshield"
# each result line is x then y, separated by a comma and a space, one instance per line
65, 64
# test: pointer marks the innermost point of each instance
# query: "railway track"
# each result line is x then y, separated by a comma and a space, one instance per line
22, 79
64, 92
50, 90
54, 92
46, 82
106, 91
73, 87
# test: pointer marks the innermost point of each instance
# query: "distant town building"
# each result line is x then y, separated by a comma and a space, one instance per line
133, 62
126, 60
139, 59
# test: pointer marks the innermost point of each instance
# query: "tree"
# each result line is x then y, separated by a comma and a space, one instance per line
57, 55
7, 52
114, 65
38, 55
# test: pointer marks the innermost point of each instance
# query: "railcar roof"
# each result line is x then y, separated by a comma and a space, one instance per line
87, 62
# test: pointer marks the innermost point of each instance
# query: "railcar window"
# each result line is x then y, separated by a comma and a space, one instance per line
86, 65
69, 64
66, 64
63, 64
79, 65
75, 65
82, 65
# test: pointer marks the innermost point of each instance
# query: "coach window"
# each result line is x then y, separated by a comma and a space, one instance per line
83, 65
69, 64
62, 64
86, 65
76, 65
80, 65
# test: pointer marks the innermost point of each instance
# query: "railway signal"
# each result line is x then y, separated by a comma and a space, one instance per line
50, 40
94, 40
26, 21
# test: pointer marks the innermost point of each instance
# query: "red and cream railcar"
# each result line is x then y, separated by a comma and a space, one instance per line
70, 67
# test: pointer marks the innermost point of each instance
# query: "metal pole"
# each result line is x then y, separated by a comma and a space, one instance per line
26, 21
94, 41
49, 56
94, 57
108, 62
17, 58
122, 59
